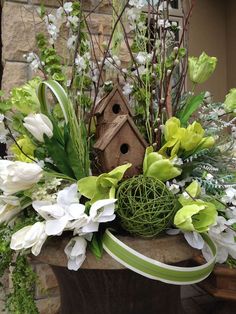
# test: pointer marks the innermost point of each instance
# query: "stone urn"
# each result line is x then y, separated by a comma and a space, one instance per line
105, 287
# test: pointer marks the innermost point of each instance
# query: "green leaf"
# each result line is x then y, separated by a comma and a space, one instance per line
5, 106
191, 106
88, 186
95, 246
57, 152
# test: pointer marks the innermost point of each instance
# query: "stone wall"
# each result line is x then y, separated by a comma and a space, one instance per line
19, 25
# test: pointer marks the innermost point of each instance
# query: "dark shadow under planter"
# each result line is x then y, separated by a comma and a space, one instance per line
114, 292
106, 287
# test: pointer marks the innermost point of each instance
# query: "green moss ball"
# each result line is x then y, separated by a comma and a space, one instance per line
145, 206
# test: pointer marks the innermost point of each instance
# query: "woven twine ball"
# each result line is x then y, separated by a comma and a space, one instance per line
145, 206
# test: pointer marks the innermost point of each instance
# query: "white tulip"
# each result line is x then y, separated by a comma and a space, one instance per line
18, 176
9, 208
75, 252
38, 124
32, 237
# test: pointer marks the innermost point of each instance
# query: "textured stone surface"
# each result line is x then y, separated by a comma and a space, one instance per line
49, 306
18, 30
47, 285
14, 74
104, 6
167, 249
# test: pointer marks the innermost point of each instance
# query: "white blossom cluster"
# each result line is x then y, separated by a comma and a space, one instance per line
33, 59
65, 213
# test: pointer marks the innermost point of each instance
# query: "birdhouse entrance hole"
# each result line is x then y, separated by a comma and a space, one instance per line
116, 108
124, 148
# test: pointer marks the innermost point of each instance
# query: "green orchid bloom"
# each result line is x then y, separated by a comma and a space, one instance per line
183, 141
230, 101
28, 148
195, 214
156, 166
200, 69
103, 186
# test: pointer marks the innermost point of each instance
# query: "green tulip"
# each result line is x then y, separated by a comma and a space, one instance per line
156, 166
230, 101
196, 216
180, 140
200, 69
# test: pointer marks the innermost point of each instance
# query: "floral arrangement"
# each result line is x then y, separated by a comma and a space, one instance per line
52, 180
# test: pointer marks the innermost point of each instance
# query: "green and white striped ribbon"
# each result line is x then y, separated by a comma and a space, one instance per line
153, 269
58, 91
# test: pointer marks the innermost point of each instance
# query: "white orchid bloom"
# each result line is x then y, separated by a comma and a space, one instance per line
194, 239
18, 176
100, 211
9, 208
66, 214
226, 245
75, 252
230, 196
32, 237
38, 124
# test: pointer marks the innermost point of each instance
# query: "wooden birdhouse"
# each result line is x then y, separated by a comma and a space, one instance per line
111, 106
121, 143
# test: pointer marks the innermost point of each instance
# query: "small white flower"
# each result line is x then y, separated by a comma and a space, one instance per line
143, 57
163, 23
32, 237
38, 124
174, 188
137, 3
127, 89
80, 63
209, 177
3, 130
74, 20
75, 252
71, 42
34, 60
68, 7
18, 176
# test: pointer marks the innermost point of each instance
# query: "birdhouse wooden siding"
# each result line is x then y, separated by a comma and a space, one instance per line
113, 105
121, 143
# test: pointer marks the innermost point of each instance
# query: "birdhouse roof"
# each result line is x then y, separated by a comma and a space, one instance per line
114, 128
102, 104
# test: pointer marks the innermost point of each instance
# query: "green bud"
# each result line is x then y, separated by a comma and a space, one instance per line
230, 101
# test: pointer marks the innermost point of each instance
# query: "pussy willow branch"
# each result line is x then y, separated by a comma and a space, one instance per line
127, 43
102, 66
